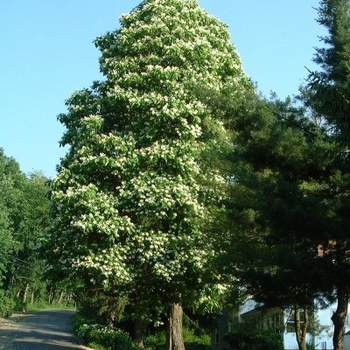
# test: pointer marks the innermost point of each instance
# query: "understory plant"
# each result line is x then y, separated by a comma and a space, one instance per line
112, 338
102, 337
246, 338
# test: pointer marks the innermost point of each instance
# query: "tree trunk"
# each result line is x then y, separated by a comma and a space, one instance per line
51, 295
338, 318
301, 327
138, 333
24, 298
60, 297
174, 339
111, 318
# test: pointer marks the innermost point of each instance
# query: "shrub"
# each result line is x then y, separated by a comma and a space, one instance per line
109, 338
155, 341
7, 304
243, 338
192, 341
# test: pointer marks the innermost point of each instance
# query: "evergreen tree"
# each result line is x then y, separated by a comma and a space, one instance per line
276, 216
328, 96
135, 198
330, 87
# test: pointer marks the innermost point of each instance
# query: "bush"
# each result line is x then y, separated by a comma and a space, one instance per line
111, 338
108, 338
7, 304
192, 341
155, 341
243, 338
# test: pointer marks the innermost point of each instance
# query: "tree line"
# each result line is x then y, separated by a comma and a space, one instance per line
24, 217
182, 184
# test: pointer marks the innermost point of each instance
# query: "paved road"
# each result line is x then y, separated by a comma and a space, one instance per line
44, 330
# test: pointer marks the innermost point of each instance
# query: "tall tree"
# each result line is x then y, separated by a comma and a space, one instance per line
277, 218
329, 97
135, 197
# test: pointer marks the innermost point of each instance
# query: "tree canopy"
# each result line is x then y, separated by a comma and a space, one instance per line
24, 216
328, 96
135, 198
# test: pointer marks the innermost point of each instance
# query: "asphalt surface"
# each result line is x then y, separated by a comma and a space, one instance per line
44, 330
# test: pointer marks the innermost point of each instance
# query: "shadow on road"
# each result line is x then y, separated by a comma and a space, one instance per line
45, 330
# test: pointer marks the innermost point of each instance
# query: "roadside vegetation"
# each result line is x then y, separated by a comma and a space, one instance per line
101, 337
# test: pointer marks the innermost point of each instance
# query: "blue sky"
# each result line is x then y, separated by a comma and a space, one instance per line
47, 53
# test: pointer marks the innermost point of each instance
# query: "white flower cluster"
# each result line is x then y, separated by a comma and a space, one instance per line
133, 193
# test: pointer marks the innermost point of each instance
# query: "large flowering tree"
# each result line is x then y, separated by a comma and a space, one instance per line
134, 197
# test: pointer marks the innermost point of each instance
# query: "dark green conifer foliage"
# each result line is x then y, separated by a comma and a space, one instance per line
330, 86
329, 97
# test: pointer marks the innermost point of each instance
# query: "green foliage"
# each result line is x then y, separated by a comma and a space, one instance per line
7, 304
24, 216
107, 338
330, 86
33, 218
155, 341
278, 210
102, 307
193, 341
136, 200
328, 96
10, 185
275, 208
244, 338
110, 338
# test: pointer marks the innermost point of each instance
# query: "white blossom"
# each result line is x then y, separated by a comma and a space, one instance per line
132, 204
